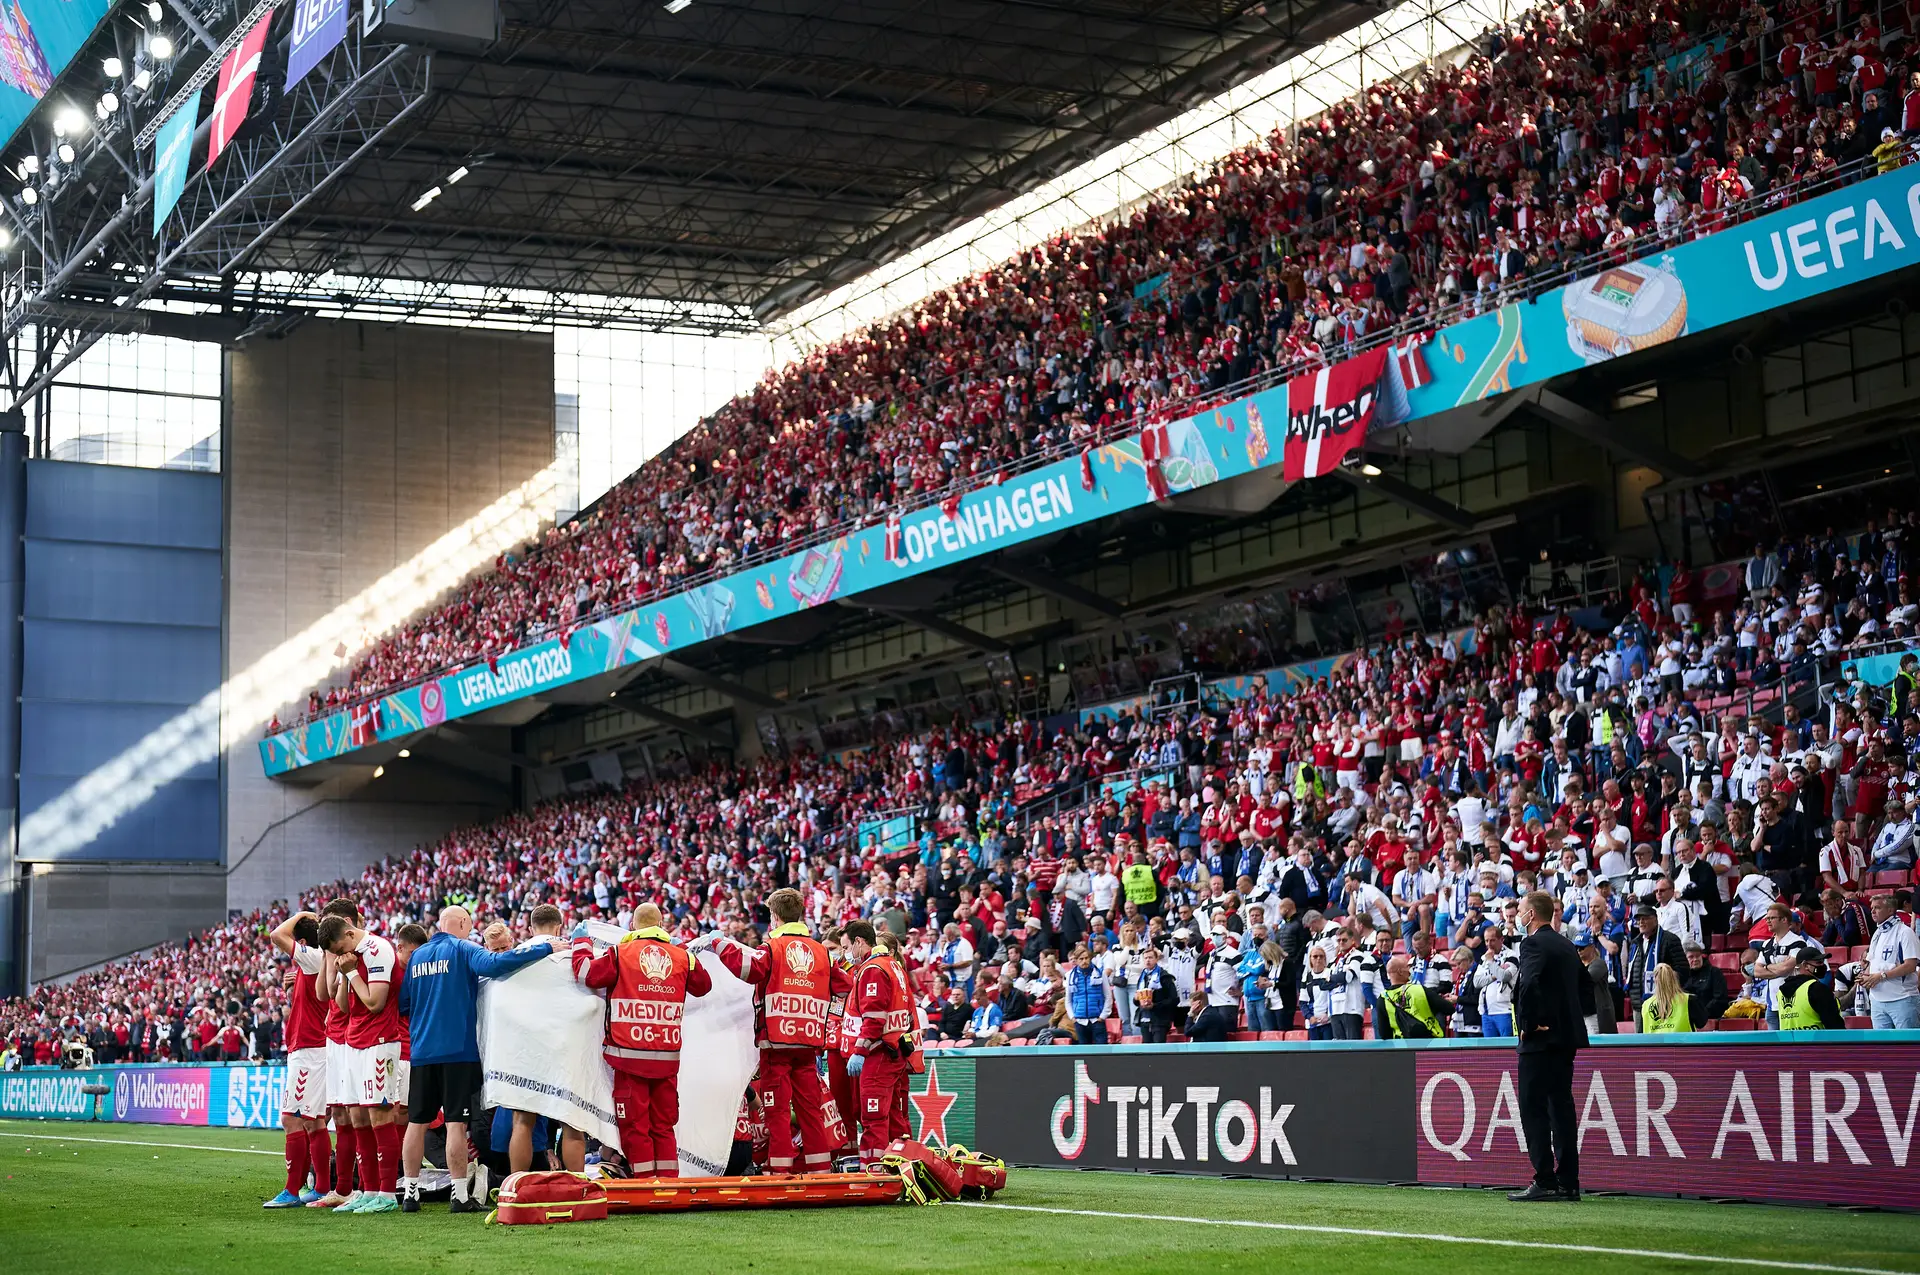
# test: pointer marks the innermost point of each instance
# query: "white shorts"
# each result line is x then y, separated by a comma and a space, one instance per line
305, 1092
374, 1075
337, 1074
1412, 749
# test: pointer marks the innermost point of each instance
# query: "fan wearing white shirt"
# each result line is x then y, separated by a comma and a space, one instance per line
1893, 969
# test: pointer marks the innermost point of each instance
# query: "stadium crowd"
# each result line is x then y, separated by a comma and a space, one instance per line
1573, 135
1687, 776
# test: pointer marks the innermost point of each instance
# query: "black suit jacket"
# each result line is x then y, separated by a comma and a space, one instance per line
1553, 988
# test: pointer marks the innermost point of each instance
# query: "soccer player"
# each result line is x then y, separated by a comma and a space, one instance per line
346, 1138
364, 967
303, 1100
649, 980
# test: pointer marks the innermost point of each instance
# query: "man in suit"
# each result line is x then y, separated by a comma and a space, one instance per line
1550, 1005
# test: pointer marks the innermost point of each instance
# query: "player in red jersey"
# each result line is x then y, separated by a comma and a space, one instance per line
303, 1099
346, 1138
364, 965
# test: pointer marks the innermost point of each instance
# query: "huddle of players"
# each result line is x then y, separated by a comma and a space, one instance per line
348, 1061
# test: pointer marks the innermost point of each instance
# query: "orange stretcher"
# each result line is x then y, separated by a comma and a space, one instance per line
814, 1190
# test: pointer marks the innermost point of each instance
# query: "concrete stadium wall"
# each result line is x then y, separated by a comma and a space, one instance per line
350, 448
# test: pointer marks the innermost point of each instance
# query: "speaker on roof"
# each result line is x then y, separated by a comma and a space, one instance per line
459, 26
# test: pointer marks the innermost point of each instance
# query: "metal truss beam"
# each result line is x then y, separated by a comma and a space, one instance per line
673, 721
1609, 435
1403, 493
1042, 580
719, 685
932, 622
332, 120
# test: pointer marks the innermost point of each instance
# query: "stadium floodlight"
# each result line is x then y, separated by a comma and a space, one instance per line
66, 152
29, 196
379, 771
114, 68
71, 121
457, 174
426, 199
406, 752
154, 11
6, 239
142, 78
161, 47
30, 165
675, 6
111, 101
1370, 471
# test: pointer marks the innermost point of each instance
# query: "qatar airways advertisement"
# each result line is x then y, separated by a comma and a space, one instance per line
1827, 1124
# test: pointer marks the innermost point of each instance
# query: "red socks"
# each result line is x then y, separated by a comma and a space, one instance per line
297, 1153
320, 1156
369, 1157
387, 1139
348, 1156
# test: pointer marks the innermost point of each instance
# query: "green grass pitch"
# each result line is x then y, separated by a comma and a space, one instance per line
69, 1203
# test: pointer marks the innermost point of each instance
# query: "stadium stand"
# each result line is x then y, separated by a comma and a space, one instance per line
1568, 139
1541, 747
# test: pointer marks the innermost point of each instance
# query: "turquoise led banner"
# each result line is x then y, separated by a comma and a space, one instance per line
1853, 234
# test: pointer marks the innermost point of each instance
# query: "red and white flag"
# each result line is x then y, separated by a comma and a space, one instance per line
895, 552
1154, 447
951, 506
1410, 360
1328, 412
1086, 469
237, 73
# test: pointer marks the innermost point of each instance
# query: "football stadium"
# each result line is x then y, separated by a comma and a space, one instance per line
1176, 634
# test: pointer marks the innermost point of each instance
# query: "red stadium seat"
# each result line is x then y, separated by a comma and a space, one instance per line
1858, 1022
1738, 1024
1273, 1035
1297, 1034
1893, 877
1243, 1036
1724, 960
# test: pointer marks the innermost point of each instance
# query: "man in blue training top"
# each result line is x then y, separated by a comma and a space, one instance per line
439, 998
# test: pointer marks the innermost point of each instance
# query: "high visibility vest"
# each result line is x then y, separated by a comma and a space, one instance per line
1410, 1013
648, 999
1676, 1020
794, 1009
1137, 880
1797, 1013
895, 1010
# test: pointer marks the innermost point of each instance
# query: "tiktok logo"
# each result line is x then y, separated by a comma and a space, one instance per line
1070, 1142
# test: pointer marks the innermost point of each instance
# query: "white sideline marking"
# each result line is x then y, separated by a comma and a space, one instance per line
1645, 1253
129, 1142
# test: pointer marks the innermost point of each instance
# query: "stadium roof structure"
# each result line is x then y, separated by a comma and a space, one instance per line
699, 166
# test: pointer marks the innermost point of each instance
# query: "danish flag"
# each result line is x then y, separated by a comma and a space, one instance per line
1086, 469
1154, 448
237, 73
894, 548
1328, 412
1411, 361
